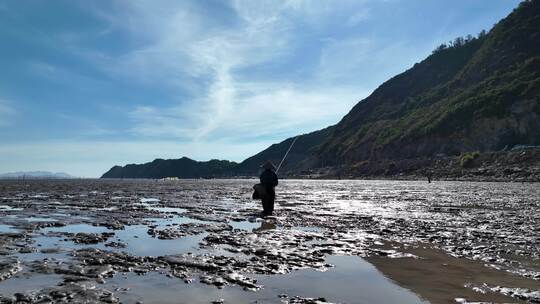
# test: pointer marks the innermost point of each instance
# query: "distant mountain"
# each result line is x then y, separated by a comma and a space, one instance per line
474, 94
35, 175
181, 168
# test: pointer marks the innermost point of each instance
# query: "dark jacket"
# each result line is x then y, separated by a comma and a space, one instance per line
269, 179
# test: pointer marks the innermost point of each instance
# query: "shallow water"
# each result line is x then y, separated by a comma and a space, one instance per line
141, 244
137, 240
7, 228
353, 280
215, 237
30, 283
168, 209
9, 208
76, 228
40, 219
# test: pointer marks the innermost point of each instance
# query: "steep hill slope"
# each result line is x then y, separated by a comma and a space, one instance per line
305, 145
477, 94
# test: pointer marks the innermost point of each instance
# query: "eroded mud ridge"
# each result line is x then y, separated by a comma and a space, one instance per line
67, 241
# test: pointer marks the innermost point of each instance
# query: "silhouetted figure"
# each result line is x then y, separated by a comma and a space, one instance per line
428, 175
269, 180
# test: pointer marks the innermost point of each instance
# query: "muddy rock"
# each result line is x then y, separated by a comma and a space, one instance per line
301, 300
113, 225
183, 230
91, 238
71, 292
524, 294
204, 263
8, 268
116, 244
119, 261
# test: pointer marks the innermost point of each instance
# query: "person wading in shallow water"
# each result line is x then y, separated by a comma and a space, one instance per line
269, 180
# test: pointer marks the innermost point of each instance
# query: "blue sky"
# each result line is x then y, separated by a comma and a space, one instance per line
85, 85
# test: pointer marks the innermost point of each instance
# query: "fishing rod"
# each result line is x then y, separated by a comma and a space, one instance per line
286, 153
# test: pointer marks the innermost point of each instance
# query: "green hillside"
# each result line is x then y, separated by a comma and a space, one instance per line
478, 93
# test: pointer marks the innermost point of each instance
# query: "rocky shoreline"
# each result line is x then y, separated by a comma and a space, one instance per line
510, 166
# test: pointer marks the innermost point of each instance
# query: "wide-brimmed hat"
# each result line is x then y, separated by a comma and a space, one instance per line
268, 165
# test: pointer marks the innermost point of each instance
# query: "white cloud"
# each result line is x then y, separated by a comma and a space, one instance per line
254, 110
7, 113
181, 44
156, 122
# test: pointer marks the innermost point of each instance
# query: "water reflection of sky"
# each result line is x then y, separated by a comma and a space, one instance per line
24, 283
353, 280
138, 241
141, 244
7, 228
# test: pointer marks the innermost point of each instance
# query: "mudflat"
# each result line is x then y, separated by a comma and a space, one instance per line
202, 241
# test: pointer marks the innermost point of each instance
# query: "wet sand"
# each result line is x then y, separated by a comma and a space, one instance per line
202, 241
439, 278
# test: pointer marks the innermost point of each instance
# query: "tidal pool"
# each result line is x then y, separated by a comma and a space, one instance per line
352, 280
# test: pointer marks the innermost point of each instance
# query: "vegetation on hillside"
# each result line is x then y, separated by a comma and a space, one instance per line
476, 93
466, 159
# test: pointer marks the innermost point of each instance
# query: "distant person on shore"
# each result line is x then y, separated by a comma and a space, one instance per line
269, 181
429, 174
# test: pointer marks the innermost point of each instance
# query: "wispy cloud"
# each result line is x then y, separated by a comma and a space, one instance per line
182, 44
254, 110
7, 113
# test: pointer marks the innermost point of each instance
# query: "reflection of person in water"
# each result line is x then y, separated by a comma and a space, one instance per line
269, 180
265, 225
